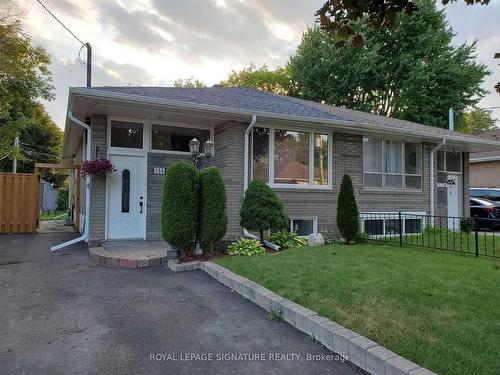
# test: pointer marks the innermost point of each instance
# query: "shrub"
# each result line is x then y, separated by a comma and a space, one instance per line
347, 210
466, 224
179, 216
213, 214
246, 246
63, 199
287, 240
262, 209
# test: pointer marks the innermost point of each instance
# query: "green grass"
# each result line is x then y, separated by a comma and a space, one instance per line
439, 309
56, 215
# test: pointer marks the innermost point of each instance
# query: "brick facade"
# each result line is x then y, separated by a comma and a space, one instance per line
228, 156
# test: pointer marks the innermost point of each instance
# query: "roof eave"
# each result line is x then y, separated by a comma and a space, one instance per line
341, 124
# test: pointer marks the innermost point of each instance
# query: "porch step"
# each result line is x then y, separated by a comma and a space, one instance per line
129, 257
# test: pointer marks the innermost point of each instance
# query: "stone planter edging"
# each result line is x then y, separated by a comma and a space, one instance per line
359, 350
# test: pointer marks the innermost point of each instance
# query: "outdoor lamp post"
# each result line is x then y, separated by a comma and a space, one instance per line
199, 160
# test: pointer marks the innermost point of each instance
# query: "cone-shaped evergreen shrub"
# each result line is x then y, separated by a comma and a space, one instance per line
179, 216
213, 214
262, 209
347, 210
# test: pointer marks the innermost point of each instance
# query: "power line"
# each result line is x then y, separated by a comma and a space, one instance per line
60, 22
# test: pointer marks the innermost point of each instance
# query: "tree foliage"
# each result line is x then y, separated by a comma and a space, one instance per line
179, 215
25, 78
278, 80
347, 210
411, 71
476, 121
262, 209
338, 17
213, 212
189, 83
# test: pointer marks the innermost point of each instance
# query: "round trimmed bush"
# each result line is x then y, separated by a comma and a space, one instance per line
213, 214
179, 216
347, 210
262, 209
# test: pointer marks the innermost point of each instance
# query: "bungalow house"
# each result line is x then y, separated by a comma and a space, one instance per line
300, 148
485, 165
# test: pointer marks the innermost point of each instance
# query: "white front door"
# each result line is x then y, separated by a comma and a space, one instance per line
126, 198
453, 183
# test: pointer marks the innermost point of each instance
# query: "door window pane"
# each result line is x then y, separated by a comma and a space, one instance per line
174, 138
291, 157
125, 190
260, 152
126, 134
302, 227
453, 162
320, 159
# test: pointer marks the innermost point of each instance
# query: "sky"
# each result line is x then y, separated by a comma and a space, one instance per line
155, 42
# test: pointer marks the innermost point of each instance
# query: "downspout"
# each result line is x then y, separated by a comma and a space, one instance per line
246, 178
86, 228
433, 152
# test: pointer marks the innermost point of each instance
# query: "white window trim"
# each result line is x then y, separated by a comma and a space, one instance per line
403, 174
177, 125
126, 150
391, 216
310, 185
313, 218
444, 162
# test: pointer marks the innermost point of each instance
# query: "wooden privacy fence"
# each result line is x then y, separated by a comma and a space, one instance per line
19, 194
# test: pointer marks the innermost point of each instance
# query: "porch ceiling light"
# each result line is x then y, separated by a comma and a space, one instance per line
209, 148
194, 146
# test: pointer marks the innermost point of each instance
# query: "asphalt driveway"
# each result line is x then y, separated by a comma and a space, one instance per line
63, 314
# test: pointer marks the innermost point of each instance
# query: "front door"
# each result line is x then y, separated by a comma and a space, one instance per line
453, 183
126, 198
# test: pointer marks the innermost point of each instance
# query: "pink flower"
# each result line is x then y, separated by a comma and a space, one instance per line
97, 167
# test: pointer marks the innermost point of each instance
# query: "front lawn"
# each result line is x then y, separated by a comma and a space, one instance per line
439, 309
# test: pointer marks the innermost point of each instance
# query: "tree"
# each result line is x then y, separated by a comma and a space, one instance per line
179, 215
213, 213
189, 83
262, 209
277, 80
24, 78
411, 72
347, 210
337, 17
476, 121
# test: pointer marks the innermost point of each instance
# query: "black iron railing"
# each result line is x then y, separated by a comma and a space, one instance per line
473, 235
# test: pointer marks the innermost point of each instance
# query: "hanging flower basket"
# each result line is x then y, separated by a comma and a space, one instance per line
98, 167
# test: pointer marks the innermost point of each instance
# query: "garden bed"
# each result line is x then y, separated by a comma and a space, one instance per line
438, 309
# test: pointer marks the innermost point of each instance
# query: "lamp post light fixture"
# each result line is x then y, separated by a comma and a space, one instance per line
201, 160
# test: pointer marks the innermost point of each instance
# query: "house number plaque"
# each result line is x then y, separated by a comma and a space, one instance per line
158, 170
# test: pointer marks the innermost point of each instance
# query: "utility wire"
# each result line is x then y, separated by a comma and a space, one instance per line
60, 22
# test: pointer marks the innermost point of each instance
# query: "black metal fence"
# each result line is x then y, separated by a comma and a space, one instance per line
473, 235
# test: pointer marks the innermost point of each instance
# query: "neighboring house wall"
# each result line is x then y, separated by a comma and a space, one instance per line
485, 174
98, 183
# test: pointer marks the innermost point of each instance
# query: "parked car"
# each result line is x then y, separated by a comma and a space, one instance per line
489, 193
487, 211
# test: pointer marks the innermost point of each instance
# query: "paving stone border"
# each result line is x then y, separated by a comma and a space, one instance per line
125, 260
359, 350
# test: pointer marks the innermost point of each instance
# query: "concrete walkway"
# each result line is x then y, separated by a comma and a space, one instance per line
63, 314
